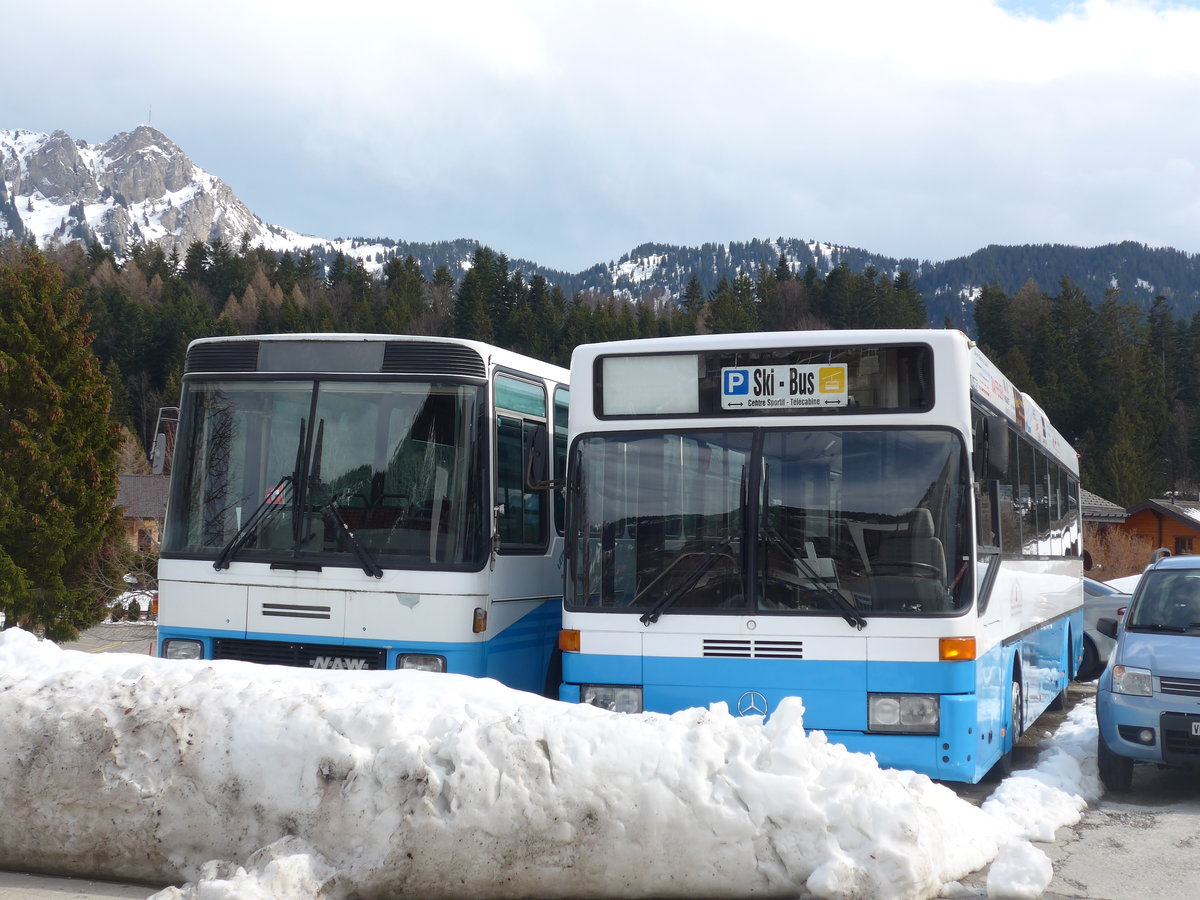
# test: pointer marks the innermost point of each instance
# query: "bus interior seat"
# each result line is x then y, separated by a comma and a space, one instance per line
897, 583
913, 542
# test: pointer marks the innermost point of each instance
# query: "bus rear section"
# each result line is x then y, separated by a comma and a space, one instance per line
362, 502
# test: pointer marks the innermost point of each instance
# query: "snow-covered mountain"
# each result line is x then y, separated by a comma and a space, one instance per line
140, 186
136, 187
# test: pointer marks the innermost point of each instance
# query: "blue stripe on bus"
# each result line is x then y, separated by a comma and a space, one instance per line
674, 683
510, 656
972, 699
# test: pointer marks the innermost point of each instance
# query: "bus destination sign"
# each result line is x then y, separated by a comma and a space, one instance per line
783, 387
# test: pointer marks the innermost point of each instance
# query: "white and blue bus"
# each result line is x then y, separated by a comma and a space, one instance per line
362, 502
877, 522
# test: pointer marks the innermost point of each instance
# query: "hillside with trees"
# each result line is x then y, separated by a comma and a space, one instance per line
1122, 382
1119, 379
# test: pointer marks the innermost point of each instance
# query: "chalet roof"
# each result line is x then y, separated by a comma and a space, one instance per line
1186, 512
1096, 509
143, 496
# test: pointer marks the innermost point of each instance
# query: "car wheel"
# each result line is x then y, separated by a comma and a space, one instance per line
1116, 772
1090, 665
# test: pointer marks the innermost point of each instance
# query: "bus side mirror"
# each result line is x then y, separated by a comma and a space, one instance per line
160, 454
537, 451
164, 439
994, 462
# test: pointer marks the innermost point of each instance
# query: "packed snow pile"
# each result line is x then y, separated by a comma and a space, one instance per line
260, 781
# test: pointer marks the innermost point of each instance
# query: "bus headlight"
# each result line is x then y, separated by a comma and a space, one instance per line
180, 649
903, 713
1128, 680
615, 697
422, 662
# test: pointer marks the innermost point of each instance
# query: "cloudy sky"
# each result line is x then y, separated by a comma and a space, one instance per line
567, 132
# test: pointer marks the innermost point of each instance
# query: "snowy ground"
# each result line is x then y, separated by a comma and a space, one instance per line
264, 782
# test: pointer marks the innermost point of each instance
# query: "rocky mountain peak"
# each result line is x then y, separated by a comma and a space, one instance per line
136, 187
143, 164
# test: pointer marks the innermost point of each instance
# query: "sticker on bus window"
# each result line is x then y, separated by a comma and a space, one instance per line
783, 387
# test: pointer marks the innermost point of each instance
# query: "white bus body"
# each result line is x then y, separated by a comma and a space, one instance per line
827, 515
361, 501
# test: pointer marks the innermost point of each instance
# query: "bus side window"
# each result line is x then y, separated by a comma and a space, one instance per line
521, 520
561, 400
1010, 508
988, 496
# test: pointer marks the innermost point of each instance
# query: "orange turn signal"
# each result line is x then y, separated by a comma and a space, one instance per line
956, 649
479, 623
568, 641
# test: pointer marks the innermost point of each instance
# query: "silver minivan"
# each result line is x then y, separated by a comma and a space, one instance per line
1148, 699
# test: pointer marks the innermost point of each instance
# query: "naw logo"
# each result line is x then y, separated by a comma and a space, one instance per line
337, 662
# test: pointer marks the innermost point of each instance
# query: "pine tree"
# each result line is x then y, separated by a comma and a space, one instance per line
783, 269
58, 455
732, 308
693, 301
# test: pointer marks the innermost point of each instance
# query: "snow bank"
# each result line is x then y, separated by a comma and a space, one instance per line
387, 784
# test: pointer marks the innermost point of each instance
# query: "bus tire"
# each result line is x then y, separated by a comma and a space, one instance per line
553, 675
1004, 765
1059, 702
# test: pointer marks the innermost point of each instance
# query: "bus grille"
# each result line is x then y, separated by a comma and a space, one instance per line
429, 358
296, 611
728, 648
232, 356
313, 656
1187, 687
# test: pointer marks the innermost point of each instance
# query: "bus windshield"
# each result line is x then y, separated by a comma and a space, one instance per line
348, 473
835, 522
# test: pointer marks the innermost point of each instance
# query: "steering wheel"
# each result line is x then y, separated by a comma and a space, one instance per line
926, 569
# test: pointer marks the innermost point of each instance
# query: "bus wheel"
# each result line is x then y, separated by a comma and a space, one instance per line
1004, 765
1018, 709
553, 675
1059, 703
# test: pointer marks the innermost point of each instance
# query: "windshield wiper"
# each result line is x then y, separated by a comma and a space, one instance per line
819, 587
271, 504
365, 559
708, 556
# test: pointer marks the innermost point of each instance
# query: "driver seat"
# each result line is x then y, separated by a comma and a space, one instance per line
914, 541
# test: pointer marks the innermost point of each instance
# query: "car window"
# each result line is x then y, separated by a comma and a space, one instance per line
1168, 599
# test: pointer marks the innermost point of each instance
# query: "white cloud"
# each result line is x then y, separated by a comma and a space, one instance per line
568, 133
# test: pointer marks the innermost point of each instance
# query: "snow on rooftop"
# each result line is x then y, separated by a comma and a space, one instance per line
259, 781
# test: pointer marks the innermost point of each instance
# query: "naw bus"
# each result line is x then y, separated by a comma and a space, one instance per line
355, 501
877, 522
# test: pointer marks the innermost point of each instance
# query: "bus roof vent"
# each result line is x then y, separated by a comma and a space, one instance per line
223, 356
428, 358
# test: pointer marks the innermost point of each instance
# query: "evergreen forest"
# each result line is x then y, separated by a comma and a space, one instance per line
1120, 381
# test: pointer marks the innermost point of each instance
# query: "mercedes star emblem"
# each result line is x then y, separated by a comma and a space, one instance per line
752, 703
